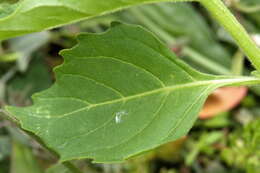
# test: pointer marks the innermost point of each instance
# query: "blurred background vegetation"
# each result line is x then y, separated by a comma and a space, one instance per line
226, 140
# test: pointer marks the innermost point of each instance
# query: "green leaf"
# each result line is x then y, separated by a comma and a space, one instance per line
36, 15
118, 94
23, 160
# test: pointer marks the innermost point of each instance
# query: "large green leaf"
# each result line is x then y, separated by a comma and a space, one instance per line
118, 94
35, 15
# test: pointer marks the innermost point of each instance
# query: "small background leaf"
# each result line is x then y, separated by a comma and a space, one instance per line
37, 15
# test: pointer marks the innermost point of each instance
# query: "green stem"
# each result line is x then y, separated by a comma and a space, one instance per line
238, 63
221, 13
71, 167
205, 62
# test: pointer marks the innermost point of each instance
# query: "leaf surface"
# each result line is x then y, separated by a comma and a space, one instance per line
118, 94
29, 16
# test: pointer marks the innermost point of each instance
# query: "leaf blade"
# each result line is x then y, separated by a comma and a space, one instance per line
118, 94
36, 15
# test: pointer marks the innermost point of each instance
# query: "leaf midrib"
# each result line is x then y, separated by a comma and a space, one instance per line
164, 89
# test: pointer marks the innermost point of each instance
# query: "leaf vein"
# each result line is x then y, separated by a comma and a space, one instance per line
97, 82
165, 89
71, 98
186, 112
139, 132
128, 63
159, 53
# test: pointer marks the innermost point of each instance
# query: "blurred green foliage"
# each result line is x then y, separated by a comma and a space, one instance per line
243, 150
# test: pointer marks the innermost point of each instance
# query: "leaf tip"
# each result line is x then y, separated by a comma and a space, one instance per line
8, 113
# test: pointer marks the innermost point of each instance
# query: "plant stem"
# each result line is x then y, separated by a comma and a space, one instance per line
205, 62
71, 167
238, 63
222, 14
